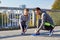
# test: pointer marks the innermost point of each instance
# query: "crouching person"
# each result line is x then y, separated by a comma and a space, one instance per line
24, 19
44, 21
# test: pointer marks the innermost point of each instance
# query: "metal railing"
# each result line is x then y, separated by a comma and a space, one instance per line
9, 17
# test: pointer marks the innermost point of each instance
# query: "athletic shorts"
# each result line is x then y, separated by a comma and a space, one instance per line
47, 26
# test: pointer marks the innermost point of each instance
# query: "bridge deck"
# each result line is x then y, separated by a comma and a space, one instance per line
15, 35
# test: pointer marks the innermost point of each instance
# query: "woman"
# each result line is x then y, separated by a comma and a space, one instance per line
24, 20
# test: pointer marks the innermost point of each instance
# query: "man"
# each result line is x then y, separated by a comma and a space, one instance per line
44, 21
24, 20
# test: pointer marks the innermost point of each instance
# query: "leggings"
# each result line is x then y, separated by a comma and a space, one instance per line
23, 23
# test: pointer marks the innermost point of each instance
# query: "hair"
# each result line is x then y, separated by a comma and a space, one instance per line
37, 8
26, 9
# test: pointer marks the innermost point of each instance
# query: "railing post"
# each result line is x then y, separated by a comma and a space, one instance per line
2, 20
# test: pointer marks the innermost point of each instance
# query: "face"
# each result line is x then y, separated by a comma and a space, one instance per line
37, 12
26, 12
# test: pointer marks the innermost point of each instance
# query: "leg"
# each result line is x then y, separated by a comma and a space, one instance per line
23, 27
26, 26
23, 32
51, 31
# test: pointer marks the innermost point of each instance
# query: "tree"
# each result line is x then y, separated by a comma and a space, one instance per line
56, 5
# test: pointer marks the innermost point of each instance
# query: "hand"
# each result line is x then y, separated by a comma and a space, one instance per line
36, 31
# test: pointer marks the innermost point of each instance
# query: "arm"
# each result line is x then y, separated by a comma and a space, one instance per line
42, 22
20, 22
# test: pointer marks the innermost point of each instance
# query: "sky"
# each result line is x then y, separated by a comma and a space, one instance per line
45, 4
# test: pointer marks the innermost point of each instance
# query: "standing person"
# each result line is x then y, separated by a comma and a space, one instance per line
44, 21
24, 19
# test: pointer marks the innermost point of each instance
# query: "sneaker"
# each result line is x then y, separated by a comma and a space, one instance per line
36, 34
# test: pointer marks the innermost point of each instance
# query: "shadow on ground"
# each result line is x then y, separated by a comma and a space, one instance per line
44, 34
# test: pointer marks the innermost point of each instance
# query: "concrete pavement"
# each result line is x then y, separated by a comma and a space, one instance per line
16, 35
